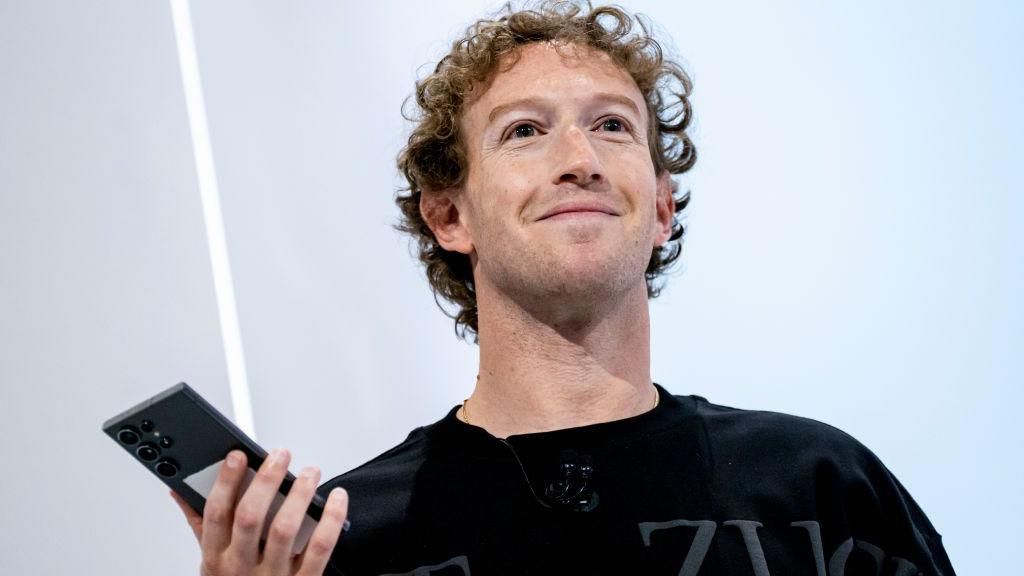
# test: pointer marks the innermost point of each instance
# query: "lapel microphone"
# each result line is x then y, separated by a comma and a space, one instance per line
571, 487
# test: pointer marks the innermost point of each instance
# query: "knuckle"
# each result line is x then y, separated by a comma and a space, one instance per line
211, 566
229, 477
236, 565
282, 532
247, 518
301, 493
216, 513
321, 546
269, 477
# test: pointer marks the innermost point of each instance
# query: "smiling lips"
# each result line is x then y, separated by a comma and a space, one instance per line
571, 209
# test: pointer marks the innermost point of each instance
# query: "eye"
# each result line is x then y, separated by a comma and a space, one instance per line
613, 125
523, 131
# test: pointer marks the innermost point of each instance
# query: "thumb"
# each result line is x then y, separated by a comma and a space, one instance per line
195, 521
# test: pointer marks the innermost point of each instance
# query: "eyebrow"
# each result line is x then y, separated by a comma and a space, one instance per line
539, 102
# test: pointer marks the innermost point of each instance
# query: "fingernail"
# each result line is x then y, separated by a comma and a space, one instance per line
234, 460
309, 472
337, 493
277, 455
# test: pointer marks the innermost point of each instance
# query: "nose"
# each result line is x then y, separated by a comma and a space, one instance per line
575, 158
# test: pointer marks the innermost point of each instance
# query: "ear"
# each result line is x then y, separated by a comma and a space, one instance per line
442, 215
665, 206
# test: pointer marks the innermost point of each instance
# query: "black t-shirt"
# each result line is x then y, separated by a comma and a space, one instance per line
689, 488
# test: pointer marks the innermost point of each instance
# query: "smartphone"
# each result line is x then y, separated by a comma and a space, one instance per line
183, 440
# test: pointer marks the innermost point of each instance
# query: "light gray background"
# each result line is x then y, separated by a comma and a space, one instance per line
853, 254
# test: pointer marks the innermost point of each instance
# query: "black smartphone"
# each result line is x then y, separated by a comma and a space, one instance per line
183, 440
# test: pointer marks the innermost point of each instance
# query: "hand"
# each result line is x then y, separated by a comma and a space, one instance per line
229, 534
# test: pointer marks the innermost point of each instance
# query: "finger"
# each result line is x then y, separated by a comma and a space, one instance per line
281, 536
251, 512
194, 519
219, 510
313, 560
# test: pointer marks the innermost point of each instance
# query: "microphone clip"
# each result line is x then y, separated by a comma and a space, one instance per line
572, 489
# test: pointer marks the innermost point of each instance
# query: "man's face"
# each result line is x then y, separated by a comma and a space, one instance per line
561, 197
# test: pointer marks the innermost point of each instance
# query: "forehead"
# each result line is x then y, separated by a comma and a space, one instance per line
565, 72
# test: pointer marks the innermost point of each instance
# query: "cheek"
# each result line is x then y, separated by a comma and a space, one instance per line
642, 186
502, 195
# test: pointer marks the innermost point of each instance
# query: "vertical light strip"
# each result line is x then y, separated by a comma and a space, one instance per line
203, 152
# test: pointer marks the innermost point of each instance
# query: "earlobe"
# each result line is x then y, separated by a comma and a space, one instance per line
666, 208
442, 215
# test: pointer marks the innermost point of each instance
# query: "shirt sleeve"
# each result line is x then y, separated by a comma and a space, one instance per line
926, 541
888, 524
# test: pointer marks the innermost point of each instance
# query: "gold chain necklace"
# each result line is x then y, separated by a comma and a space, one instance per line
465, 404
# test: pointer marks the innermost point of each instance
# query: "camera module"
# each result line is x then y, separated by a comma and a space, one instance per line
128, 436
167, 468
147, 452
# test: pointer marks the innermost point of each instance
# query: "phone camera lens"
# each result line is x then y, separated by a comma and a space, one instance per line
128, 436
148, 452
166, 442
147, 426
167, 468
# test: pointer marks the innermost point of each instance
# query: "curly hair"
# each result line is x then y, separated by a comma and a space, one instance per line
434, 158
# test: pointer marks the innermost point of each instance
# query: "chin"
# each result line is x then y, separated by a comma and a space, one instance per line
587, 280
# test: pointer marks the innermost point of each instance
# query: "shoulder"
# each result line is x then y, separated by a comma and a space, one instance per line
395, 464
727, 423
792, 454
380, 489
800, 443
799, 462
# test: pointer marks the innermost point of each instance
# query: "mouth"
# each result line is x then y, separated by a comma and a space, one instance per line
578, 210
578, 215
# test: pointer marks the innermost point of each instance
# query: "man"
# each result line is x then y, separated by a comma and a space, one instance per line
540, 191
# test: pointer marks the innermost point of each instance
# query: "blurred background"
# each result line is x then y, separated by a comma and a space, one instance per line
854, 253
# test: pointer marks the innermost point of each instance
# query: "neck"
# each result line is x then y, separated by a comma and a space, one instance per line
564, 370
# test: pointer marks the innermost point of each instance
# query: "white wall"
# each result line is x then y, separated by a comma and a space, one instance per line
105, 289
851, 256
